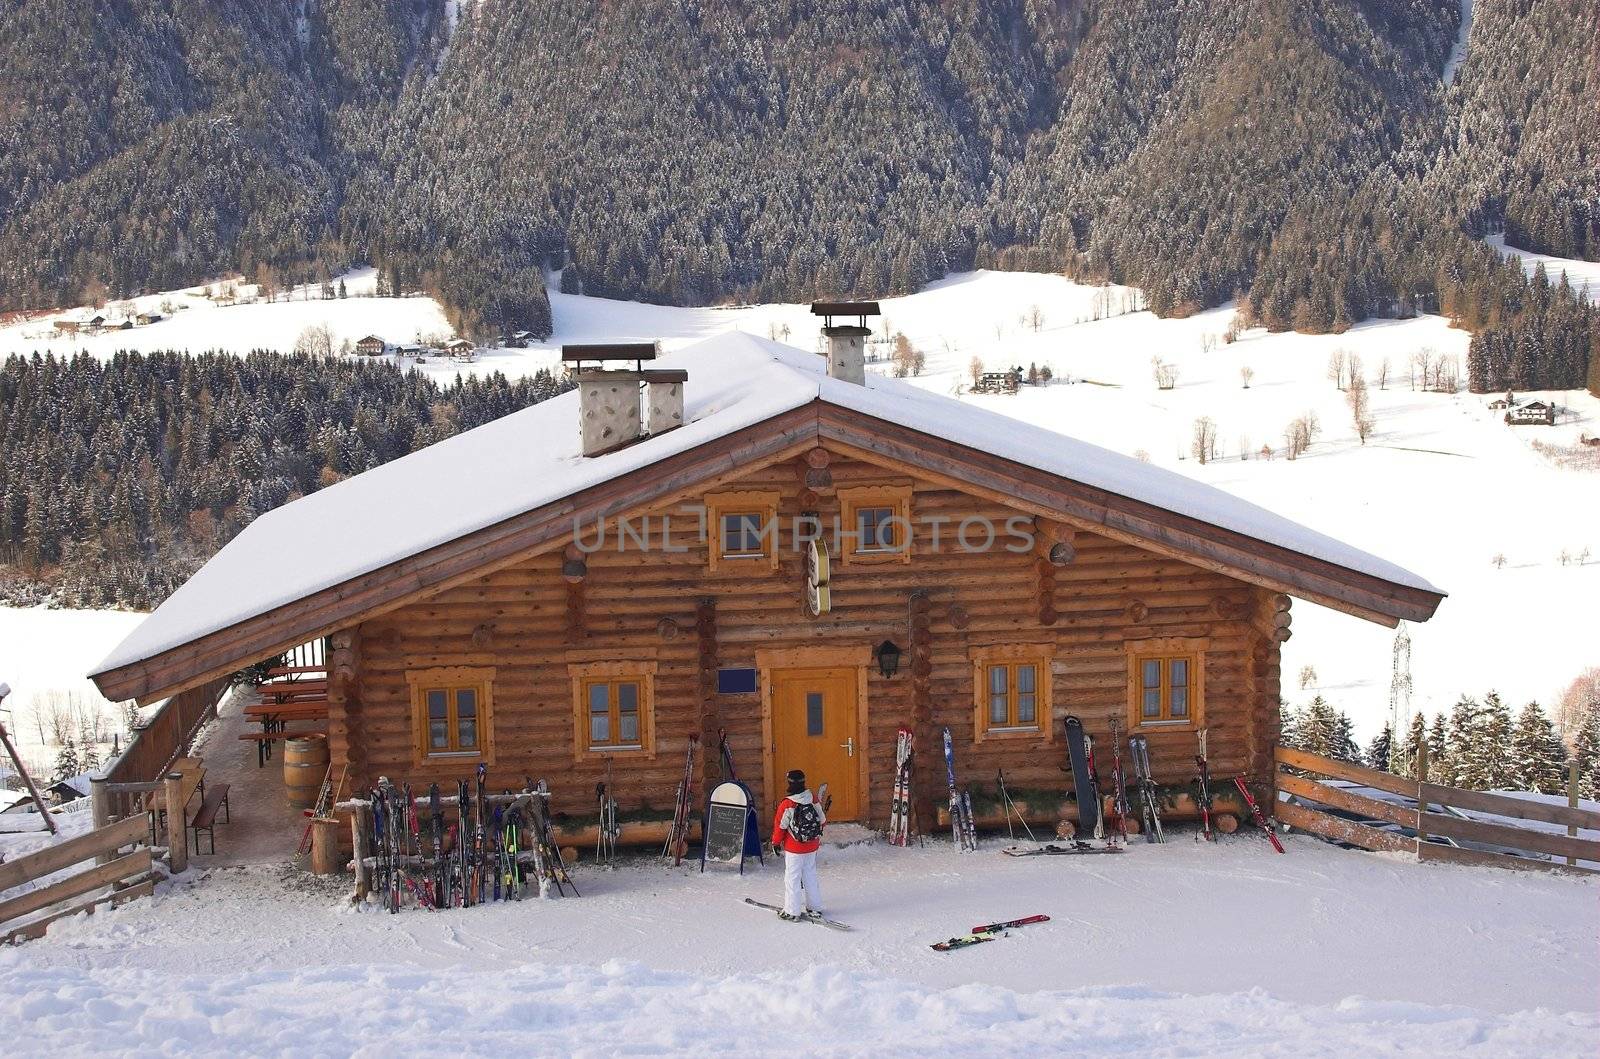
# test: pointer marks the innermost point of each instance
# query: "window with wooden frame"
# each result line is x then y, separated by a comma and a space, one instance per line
878, 521
613, 709
452, 711
1011, 691
1166, 683
742, 530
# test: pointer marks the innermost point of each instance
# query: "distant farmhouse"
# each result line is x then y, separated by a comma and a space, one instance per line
372, 346
1534, 413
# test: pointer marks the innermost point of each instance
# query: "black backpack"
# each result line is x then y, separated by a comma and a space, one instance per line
806, 823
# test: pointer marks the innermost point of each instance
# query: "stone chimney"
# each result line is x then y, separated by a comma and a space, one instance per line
847, 343
610, 409
663, 399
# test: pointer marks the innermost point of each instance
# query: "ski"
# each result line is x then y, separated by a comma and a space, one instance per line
963, 941
678, 837
1255, 814
900, 811
1139, 751
995, 928
1203, 799
441, 870
1094, 785
962, 830
1077, 848
481, 838
1083, 779
1119, 786
463, 848
1011, 809
809, 917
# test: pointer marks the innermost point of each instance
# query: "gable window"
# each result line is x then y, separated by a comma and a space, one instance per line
613, 708
877, 519
1011, 684
742, 528
1166, 685
452, 713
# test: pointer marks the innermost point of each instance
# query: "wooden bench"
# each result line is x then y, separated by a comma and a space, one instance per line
205, 818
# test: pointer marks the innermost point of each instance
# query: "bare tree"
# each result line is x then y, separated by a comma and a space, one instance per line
1141, 455
1499, 560
1203, 440
316, 340
1299, 435
1581, 696
1360, 408
1244, 447
1421, 363
1383, 373
1208, 342
908, 360
1230, 334
1246, 373
1035, 318
1336, 363
1308, 676
975, 369
1166, 375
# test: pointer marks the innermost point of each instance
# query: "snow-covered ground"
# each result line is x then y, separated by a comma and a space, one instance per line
1172, 950
1583, 275
1442, 487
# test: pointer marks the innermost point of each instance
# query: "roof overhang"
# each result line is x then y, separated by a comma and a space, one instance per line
729, 457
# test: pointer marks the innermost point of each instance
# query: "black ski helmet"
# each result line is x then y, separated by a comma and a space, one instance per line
797, 781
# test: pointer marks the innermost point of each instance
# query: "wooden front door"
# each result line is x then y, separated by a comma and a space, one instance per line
814, 729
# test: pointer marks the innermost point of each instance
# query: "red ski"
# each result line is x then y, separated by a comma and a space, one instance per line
993, 928
1255, 813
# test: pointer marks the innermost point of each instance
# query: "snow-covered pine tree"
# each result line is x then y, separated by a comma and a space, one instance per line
1345, 747
67, 760
1290, 726
1380, 751
1318, 727
1461, 735
1539, 756
1586, 749
1403, 758
1493, 765
1440, 769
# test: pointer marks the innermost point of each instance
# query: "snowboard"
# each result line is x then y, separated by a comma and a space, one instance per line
809, 917
1083, 779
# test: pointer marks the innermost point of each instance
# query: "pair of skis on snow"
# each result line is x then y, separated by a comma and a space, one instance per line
985, 932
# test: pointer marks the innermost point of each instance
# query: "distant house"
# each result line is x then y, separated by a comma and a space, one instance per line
519, 340
95, 323
1534, 413
411, 350
997, 382
145, 319
70, 789
459, 349
372, 346
126, 325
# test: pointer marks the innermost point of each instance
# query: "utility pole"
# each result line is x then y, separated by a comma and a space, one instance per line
1400, 684
5, 737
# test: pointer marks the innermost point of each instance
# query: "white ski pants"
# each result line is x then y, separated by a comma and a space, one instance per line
800, 883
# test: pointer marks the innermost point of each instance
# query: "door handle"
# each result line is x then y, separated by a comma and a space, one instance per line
849, 746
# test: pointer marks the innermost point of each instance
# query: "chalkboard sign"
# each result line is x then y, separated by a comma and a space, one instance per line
731, 831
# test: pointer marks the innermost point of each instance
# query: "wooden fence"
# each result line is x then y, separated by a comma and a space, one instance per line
160, 742
128, 874
1420, 819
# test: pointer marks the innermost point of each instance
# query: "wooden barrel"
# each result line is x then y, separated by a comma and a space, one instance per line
305, 764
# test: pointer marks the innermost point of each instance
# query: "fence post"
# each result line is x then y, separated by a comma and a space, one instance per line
1422, 779
358, 835
1572, 801
177, 825
100, 811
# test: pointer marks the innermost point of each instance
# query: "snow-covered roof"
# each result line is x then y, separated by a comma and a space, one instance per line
531, 458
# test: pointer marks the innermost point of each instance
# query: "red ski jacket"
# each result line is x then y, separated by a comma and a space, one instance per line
781, 839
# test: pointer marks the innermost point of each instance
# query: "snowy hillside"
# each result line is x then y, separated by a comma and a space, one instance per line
1441, 486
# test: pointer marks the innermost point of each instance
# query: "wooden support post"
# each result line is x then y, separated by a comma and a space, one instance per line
177, 824
1572, 802
358, 841
16, 762
1422, 779
99, 810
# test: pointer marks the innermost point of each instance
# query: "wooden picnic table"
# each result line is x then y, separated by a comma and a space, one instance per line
274, 718
291, 671
280, 690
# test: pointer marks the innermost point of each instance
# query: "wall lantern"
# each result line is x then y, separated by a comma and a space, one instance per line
888, 655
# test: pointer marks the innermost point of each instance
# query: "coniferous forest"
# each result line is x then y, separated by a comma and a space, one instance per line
120, 478
1310, 156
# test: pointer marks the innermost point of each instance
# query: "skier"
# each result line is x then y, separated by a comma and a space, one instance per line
797, 833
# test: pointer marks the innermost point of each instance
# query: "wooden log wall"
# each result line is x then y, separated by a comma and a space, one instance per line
1092, 598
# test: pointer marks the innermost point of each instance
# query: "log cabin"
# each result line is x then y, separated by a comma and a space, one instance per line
750, 538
